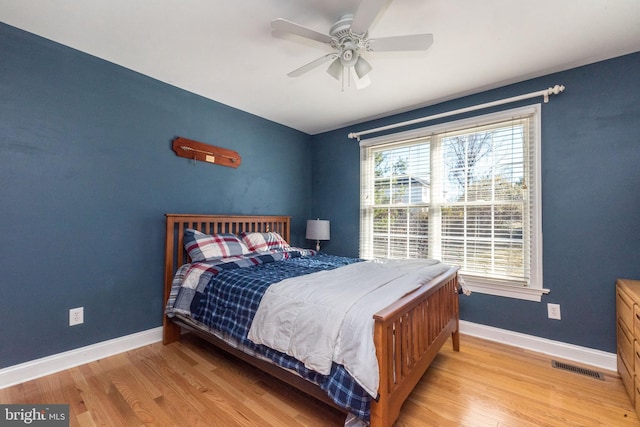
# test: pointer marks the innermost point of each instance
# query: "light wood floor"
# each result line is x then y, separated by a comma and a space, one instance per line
187, 384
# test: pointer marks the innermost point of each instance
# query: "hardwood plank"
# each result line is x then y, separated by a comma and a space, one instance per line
190, 383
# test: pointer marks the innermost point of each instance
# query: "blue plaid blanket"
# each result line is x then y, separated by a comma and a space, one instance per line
224, 295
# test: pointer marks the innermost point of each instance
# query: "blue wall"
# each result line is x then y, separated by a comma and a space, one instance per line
87, 173
86, 176
590, 196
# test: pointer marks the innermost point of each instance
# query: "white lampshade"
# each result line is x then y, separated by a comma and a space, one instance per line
318, 229
362, 67
335, 69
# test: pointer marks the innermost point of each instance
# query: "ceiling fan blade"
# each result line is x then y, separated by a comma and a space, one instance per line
280, 24
364, 16
411, 42
311, 65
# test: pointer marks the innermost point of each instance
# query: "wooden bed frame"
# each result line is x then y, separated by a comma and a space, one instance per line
408, 334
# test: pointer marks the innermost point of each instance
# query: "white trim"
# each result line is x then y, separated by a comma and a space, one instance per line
588, 356
59, 362
536, 216
503, 290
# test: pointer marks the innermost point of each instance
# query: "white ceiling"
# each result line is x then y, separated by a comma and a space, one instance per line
224, 50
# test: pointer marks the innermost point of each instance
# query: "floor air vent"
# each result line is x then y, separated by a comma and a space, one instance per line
577, 370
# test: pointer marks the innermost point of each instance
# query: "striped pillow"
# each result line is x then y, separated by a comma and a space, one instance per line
202, 247
260, 242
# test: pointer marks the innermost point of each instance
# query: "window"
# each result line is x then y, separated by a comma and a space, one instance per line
466, 192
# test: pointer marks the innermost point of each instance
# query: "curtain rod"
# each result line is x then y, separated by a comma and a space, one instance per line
550, 91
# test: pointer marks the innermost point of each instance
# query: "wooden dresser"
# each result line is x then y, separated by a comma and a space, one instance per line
628, 336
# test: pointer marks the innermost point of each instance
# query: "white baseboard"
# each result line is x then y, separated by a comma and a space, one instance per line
59, 362
588, 356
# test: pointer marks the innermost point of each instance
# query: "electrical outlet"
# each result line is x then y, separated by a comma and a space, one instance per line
553, 310
76, 316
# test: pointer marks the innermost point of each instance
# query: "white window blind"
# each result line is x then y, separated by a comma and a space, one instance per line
466, 193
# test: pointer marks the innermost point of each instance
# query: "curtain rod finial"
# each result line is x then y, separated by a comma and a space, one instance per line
553, 91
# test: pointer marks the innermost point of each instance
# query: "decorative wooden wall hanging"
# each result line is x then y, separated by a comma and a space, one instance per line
206, 153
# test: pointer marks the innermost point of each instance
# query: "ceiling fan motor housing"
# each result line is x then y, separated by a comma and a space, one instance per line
345, 41
341, 28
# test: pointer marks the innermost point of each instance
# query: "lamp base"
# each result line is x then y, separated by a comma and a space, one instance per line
317, 245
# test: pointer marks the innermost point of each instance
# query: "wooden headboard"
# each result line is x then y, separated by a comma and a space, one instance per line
175, 254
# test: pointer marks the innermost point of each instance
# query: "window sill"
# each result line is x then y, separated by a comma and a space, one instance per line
503, 290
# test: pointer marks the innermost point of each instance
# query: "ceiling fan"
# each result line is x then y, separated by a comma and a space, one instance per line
349, 38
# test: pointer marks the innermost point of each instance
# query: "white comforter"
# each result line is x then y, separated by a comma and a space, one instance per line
327, 316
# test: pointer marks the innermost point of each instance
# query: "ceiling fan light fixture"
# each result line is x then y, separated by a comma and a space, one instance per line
349, 54
335, 69
362, 83
362, 67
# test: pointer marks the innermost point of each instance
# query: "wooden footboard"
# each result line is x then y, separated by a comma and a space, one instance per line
408, 334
